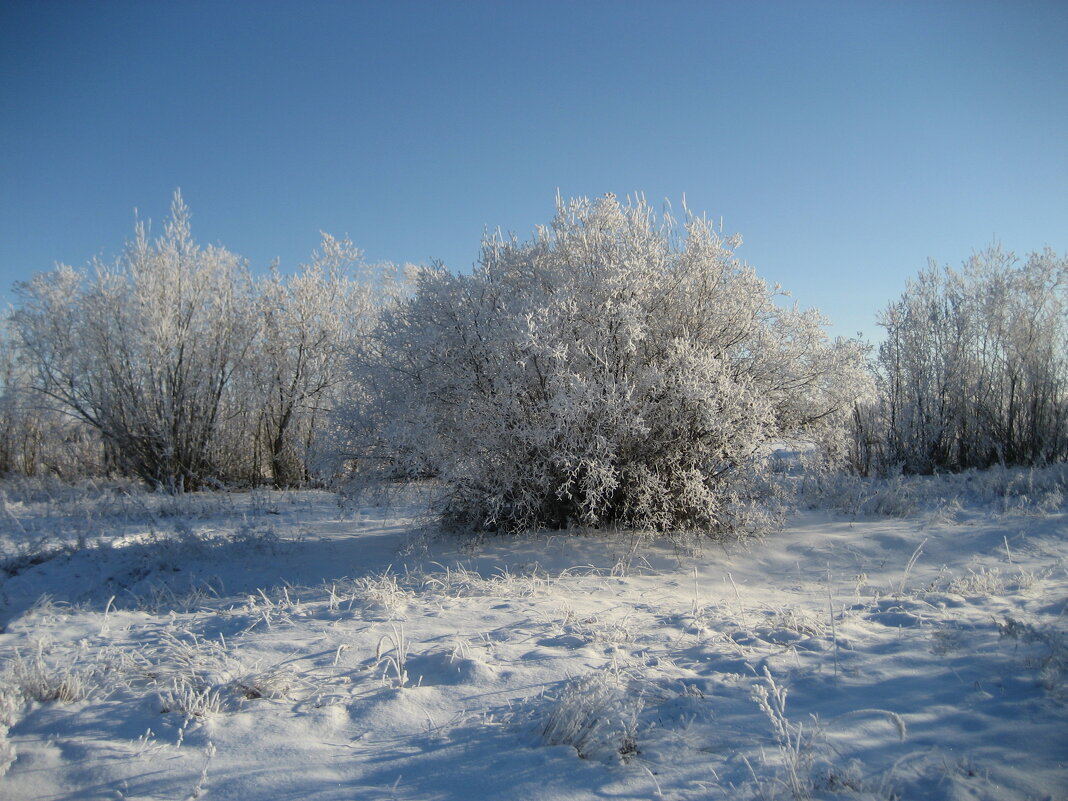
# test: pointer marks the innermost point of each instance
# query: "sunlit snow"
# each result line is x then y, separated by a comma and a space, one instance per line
907, 644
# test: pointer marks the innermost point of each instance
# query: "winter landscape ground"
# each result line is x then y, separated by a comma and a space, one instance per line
896, 640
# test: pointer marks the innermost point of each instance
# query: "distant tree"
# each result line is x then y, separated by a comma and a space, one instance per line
974, 367
18, 436
144, 351
614, 370
8, 405
37, 437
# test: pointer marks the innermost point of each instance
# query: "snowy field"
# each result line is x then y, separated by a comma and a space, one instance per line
905, 641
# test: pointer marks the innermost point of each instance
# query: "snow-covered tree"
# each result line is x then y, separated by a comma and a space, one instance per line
616, 369
188, 368
145, 350
308, 321
974, 366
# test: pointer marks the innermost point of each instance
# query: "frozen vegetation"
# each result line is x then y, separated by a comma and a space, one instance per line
569, 556
898, 639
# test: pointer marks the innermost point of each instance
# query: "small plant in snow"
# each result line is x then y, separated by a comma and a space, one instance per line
798, 620
944, 642
505, 582
856, 496
272, 683
391, 655
194, 696
807, 762
797, 745
198, 788
191, 699
986, 582
1052, 662
201, 677
909, 566
271, 611
596, 628
38, 679
382, 592
162, 597
597, 715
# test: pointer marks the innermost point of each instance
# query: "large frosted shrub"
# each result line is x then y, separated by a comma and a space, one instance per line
615, 370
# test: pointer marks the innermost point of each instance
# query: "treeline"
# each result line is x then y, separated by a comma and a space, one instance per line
177, 366
616, 369
973, 371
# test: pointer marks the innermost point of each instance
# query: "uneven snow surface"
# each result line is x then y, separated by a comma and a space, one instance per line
278, 646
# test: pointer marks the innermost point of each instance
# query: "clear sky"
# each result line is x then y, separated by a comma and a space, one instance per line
848, 142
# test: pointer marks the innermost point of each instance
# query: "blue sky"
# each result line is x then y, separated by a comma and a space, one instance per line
847, 142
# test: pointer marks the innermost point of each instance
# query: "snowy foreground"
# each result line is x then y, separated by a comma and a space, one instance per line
281, 646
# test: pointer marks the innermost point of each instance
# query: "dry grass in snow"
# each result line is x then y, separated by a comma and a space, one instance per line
906, 644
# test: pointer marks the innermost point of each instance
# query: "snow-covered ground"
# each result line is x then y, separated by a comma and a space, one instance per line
277, 646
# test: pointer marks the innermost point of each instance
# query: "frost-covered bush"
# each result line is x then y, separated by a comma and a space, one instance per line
615, 370
597, 715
